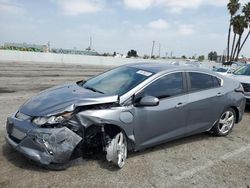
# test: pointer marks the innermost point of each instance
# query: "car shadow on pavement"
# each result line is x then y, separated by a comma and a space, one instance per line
247, 109
174, 143
22, 162
182, 141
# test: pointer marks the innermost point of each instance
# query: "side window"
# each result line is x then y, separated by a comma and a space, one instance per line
166, 86
201, 81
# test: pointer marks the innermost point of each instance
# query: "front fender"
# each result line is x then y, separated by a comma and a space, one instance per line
123, 117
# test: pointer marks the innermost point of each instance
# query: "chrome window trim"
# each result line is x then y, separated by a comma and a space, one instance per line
125, 97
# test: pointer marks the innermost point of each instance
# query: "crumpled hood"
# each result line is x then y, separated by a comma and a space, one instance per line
59, 98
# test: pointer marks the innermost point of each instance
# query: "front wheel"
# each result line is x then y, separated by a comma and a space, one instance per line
117, 150
225, 123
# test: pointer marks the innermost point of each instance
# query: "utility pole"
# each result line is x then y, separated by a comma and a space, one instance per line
159, 50
48, 45
90, 43
153, 46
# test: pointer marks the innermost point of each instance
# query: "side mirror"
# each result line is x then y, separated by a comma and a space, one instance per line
148, 101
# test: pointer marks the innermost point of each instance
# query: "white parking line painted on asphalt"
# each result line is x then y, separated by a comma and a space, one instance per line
209, 164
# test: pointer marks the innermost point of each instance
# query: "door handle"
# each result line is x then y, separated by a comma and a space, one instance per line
219, 94
180, 104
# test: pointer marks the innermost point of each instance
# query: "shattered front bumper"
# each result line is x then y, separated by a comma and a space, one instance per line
43, 145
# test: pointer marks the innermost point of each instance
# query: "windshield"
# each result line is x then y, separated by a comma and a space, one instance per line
220, 70
117, 81
245, 70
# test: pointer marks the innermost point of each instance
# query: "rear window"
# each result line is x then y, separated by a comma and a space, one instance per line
202, 81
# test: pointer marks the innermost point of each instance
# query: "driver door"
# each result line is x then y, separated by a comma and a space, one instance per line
166, 121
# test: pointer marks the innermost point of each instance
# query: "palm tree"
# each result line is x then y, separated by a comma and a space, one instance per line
233, 6
234, 23
246, 12
239, 24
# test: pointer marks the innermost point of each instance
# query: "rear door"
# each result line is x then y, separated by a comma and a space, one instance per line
204, 104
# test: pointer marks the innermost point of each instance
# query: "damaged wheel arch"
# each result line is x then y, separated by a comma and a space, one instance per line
112, 140
109, 132
104, 138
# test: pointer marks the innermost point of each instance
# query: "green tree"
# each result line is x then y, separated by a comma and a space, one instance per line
132, 53
183, 57
106, 54
233, 6
212, 56
201, 58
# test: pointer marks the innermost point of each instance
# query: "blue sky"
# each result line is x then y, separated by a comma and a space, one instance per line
185, 27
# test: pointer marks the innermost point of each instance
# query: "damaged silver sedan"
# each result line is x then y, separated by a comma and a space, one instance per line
131, 107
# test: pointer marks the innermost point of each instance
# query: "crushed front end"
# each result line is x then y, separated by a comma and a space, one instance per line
58, 138
45, 144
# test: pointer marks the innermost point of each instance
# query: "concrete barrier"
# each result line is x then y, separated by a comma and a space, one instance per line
22, 56
38, 57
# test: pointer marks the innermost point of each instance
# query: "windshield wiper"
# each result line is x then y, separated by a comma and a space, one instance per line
93, 89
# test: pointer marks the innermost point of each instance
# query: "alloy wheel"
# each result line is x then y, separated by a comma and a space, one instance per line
117, 150
226, 122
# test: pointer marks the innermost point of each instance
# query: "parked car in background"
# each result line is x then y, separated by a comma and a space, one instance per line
243, 76
223, 70
131, 107
234, 63
239, 63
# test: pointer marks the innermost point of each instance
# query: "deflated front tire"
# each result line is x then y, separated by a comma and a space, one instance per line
117, 150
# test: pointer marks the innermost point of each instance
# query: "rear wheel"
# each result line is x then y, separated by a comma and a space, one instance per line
225, 123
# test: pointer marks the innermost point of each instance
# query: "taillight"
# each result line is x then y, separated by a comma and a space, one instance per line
240, 89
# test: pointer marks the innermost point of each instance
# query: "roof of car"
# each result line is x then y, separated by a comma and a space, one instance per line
159, 67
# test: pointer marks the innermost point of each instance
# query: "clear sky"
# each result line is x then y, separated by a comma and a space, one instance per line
185, 27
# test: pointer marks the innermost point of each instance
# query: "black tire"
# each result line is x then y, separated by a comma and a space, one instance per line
224, 125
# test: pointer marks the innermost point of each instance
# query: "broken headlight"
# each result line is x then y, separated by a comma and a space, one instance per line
52, 119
